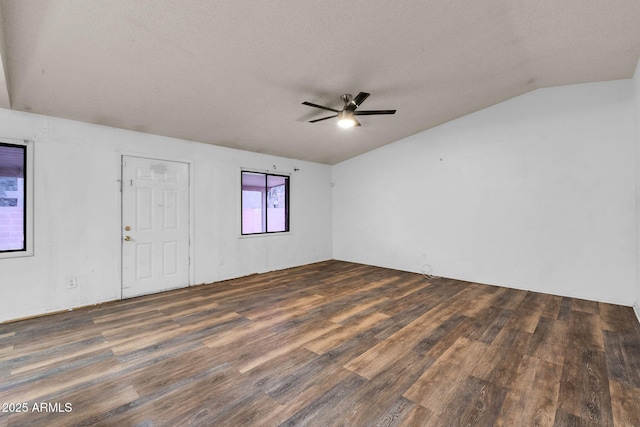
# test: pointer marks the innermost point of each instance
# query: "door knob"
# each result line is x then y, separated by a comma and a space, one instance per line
127, 238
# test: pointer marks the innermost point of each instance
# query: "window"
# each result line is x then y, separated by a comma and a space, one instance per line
265, 203
15, 198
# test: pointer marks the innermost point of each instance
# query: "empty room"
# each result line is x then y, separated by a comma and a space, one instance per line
296, 213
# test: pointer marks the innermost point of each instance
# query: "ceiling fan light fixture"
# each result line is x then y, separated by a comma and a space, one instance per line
346, 120
347, 116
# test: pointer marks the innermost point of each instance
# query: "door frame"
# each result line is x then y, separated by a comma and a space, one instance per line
121, 154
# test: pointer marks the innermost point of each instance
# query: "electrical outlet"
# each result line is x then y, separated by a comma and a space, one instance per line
72, 282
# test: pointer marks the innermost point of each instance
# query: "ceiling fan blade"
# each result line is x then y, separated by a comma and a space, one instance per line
355, 102
373, 112
320, 106
324, 118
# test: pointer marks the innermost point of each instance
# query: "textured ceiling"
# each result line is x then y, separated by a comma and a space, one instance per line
234, 73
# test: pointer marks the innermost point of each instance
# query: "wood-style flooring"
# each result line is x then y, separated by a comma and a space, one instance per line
332, 343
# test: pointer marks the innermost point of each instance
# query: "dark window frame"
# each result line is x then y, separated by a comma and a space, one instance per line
27, 198
287, 188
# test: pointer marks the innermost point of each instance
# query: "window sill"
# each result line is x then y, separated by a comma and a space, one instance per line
253, 236
18, 254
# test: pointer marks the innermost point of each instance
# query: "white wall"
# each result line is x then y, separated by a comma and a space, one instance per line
77, 213
534, 193
636, 117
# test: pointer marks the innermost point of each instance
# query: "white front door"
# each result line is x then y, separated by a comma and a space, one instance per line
155, 225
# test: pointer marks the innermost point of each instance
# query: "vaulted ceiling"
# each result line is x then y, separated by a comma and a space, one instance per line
235, 72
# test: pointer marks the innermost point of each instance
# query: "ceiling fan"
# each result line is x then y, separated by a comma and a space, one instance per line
346, 116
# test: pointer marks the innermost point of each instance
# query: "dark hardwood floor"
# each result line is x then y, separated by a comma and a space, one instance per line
332, 343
